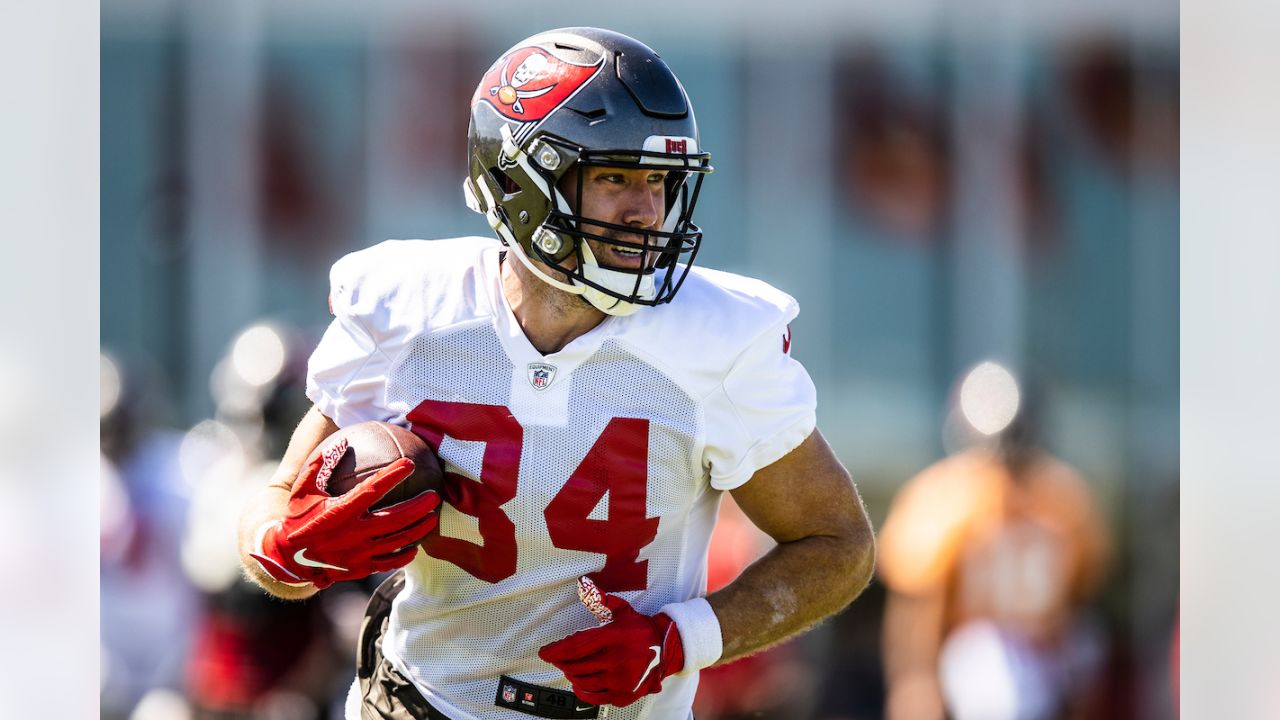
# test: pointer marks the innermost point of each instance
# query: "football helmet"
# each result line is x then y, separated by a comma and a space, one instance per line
581, 97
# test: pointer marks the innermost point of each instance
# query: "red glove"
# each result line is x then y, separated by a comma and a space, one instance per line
324, 539
624, 659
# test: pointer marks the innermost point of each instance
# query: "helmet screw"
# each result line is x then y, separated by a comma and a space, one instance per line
524, 217
549, 242
548, 158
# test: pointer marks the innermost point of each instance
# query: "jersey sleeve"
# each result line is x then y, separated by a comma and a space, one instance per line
346, 375
763, 409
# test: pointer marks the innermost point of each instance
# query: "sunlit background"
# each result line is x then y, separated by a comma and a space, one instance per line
976, 205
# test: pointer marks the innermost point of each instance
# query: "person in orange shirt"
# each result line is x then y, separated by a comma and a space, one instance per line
989, 557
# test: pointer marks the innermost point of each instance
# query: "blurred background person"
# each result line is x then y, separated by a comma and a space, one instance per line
254, 657
146, 603
992, 556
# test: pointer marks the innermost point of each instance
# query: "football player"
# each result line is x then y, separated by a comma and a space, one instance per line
591, 395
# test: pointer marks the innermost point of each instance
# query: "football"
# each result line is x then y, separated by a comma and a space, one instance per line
358, 451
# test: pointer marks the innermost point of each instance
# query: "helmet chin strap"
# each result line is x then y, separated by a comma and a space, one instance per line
615, 280
489, 209
620, 282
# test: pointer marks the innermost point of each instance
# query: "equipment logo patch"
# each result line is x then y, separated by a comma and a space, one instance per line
541, 375
528, 83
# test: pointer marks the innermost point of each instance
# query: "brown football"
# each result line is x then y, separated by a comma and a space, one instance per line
371, 446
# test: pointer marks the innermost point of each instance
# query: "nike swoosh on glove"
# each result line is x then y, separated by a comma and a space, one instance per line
624, 659
324, 539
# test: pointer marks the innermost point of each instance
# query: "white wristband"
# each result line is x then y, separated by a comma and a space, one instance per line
699, 633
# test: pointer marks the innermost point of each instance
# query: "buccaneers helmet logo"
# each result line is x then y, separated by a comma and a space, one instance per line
528, 83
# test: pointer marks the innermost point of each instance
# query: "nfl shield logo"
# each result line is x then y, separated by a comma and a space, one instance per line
541, 375
508, 693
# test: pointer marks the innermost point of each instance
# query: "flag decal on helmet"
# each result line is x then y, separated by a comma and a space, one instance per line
541, 375
528, 83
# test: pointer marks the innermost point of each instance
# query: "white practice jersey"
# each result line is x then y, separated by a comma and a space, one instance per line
606, 458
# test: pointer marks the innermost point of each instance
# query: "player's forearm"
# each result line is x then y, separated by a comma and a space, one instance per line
912, 633
267, 505
790, 589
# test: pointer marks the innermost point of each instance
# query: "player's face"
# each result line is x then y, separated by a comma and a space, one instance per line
622, 196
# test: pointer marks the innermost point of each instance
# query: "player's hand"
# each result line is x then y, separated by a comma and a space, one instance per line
624, 659
324, 539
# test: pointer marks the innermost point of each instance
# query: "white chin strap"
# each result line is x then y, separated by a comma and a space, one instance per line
620, 282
